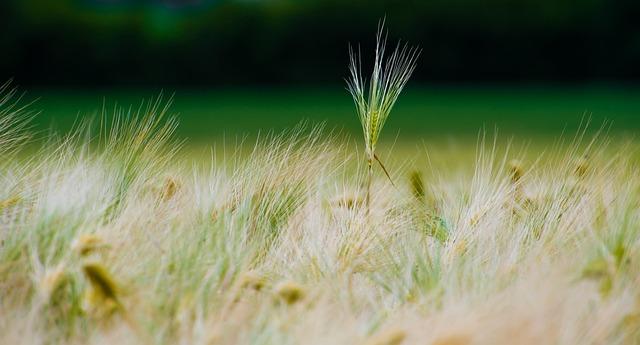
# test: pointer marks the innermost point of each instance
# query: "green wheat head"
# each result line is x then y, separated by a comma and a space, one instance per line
389, 77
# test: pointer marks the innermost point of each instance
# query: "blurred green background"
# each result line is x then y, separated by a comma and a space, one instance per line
537, 67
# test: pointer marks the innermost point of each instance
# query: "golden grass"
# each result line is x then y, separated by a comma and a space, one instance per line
276, 246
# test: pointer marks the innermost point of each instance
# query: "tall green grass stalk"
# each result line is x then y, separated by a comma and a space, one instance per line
390, 75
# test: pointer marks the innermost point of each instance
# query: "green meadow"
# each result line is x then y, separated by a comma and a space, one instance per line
431, 113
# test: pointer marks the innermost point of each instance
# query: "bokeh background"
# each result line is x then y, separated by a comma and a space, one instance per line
538, 67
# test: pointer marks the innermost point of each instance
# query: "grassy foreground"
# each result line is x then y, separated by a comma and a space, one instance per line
109, 235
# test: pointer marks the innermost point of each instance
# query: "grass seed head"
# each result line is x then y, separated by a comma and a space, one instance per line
87, 244
10, 202
289, 292
101, 298
516, 171
390, 75
348, 201
417, 185
253, 280
169, 189
461, 246
581, 166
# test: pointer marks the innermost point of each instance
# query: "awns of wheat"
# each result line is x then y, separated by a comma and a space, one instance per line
375, 99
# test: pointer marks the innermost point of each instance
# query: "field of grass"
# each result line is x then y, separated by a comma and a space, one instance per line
114, 235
